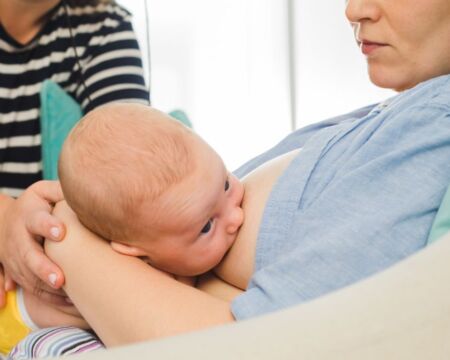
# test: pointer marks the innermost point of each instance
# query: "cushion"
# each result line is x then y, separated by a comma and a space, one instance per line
441, 224
181, 116
59, 113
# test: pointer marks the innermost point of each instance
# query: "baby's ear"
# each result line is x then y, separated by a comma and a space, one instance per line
127, 249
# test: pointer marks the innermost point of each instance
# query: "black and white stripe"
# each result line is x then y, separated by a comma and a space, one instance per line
55, 342
111, 65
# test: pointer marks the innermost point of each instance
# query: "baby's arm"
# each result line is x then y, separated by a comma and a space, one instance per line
47, 315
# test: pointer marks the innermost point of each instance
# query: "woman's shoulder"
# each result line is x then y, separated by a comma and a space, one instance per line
85, 20
107, 8
86, 13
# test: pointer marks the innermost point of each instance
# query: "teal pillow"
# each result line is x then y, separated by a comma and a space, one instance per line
181, 116
441, 224
59, 113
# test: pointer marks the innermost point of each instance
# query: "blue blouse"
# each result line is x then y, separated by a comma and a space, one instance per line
361, 195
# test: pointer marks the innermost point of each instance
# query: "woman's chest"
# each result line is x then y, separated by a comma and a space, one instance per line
237, 267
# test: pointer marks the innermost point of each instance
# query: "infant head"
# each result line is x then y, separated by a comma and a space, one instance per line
153, 187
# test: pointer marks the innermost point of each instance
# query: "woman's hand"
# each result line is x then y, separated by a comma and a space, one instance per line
25, 222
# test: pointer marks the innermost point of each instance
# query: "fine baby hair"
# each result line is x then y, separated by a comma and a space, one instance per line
118, 157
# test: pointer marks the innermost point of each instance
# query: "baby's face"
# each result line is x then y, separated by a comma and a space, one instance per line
200, 221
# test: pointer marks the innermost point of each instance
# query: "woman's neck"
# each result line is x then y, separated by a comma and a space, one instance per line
23, 19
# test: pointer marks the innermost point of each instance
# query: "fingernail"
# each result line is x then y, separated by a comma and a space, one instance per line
52, 278
54, 231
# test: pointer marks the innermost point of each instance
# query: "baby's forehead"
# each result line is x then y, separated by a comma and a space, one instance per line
189, 202
172, 227
203, 192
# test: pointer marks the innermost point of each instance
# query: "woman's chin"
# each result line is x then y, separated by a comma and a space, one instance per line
394, 80
387, 82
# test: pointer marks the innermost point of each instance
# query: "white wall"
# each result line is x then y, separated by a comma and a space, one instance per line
225, 62
331, 75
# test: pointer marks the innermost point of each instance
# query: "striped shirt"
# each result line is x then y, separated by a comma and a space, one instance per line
110, 63
54, 342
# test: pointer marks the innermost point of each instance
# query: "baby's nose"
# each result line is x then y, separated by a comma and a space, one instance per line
235, 219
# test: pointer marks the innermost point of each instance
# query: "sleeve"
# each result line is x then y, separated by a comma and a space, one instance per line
359, 213
112, 69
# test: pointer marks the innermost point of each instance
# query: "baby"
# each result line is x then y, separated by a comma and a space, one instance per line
151, 187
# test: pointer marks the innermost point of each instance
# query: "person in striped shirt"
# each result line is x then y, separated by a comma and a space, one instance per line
87, 47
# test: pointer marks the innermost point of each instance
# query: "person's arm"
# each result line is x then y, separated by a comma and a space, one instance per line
122, 298
24, 222
113, 69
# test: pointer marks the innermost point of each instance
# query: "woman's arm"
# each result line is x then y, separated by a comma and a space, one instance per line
122, 298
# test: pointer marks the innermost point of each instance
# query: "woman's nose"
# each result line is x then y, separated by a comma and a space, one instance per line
358, 11
235, 219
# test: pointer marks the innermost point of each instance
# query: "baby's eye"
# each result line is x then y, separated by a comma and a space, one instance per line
227, 184
207, 227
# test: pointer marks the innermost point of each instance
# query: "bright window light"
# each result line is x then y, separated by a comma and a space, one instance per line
226, 63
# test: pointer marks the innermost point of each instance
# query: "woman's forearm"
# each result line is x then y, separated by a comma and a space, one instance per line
121, 297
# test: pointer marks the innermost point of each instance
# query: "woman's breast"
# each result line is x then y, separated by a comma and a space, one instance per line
237, 266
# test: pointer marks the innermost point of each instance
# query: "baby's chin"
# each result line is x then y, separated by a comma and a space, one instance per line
213, 263
231, 241
210, 266
207, 264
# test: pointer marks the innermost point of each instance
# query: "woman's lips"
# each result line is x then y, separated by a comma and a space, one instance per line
368, 47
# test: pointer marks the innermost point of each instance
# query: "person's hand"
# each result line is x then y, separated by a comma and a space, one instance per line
26, 222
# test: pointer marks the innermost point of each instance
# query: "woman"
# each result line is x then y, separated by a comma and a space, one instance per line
360, 195
51, 40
